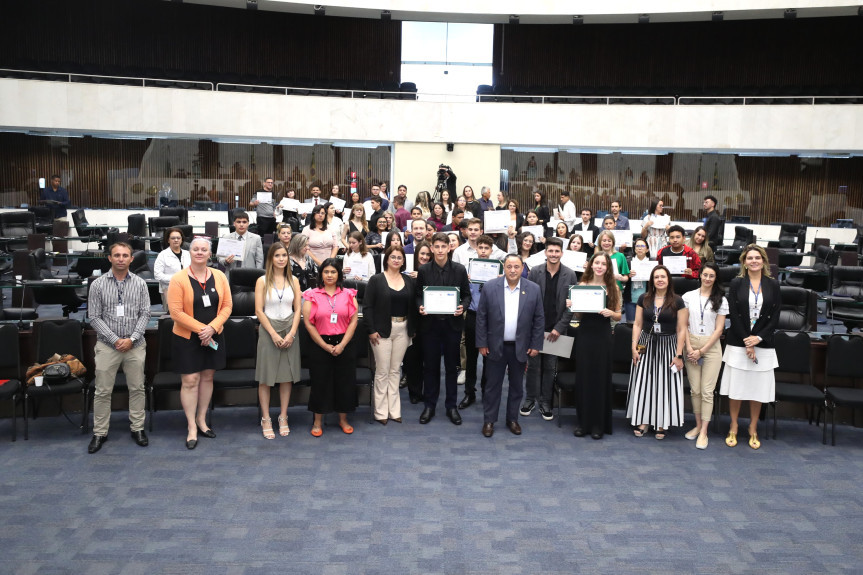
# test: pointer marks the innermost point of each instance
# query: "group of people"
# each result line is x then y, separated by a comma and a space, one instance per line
506, 320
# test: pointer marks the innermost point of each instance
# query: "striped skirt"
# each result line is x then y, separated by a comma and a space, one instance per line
655, 393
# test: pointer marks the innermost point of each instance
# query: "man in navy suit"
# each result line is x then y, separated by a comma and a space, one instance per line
509, 329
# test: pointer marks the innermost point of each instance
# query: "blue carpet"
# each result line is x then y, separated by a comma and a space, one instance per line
408, 498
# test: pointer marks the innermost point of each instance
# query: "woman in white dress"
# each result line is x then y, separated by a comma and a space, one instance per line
753, 308
654, 226
169, 261
707, 310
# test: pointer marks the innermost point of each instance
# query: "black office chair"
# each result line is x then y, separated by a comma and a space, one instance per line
165, 379
843, 360
825, 258
85, 230
241, 349
62, 337
242, 282
793, 351
743, 236
358, 285
137, 228
845, 302
157, 228
69, 298
792, 237
799, 311
44, 218
683, 285
181, 213
726, 274
10, 370
17, 225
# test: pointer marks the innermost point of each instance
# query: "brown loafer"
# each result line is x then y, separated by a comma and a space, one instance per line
488, 429
514, 427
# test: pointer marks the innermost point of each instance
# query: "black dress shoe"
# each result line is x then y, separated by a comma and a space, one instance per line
426, 415
96, 443
381, 421
596, 435
467, 401
514, 427
191, 443
415, 400
488, 429
454, 416
578, 432
140, 438
209, 433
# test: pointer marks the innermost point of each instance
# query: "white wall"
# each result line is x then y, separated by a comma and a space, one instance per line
415, 165
95, 109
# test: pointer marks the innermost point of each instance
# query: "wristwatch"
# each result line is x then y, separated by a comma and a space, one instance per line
679, 357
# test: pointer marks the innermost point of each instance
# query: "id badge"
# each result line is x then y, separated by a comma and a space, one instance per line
334, 318
657, 328
120, 310
206, 299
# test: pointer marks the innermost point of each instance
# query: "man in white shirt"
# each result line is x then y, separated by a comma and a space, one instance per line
467, 251
566, 210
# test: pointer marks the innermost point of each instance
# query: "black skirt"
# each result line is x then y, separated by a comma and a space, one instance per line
333, 379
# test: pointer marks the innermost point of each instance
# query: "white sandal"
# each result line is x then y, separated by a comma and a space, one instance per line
268, 433
284, 430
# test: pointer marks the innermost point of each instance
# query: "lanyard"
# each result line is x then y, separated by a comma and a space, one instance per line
332, 301
703, 307
200, 283
279, 295
757, 293
754, 308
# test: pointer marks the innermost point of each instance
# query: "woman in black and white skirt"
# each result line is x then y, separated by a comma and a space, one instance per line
658, 337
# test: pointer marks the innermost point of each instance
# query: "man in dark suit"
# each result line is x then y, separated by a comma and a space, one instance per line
441, 334
712, 221
586, 225
509, 329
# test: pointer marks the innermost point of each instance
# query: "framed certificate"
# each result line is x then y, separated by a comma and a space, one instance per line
587, 299
675, 264
496, 221
480, 271
441, 300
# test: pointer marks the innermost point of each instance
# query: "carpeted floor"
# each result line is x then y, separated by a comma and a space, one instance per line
408, 498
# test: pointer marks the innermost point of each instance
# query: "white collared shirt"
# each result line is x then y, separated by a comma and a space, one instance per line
510, 319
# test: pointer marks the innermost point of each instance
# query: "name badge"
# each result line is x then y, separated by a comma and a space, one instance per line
334, 318
206, 299
120, 310
657, 328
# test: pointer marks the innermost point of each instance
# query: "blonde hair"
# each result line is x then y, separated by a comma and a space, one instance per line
765, 268
598, 249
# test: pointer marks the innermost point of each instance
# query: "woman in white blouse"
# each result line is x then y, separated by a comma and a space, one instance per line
358, 263
169, 261
707, 310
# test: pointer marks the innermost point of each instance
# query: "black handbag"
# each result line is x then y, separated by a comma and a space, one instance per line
56, 373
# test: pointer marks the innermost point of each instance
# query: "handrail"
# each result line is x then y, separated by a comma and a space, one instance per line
486, 98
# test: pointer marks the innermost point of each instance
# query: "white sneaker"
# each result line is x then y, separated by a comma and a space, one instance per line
461, 377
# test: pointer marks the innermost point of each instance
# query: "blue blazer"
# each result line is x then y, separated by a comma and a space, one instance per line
490, 319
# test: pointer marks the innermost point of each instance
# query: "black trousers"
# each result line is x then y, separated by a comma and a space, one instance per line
441, 340
413, 363
471, 356
266, 225
333, 378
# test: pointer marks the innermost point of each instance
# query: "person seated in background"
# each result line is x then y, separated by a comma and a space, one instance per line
676, 247
56, 197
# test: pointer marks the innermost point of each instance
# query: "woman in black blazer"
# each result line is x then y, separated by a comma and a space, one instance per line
391, 318
753, 307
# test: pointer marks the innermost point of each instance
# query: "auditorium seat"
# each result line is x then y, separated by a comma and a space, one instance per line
843, 361
165, 379
793, 350
17, 224
242, 282
241, 348
10, 370
799, 311
845, 302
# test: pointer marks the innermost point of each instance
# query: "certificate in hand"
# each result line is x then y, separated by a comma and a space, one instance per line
622, 238
535, 230
230, 247
496, 221
586, 235
642, 268
264, 197
675, 264
536, 259
369, 210
480, 271
574, 260
561, 347
441, 300
587, 299
290, 204
337, 203
305, 208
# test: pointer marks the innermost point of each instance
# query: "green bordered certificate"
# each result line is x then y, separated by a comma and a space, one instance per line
587, 299
480, 270
441, 300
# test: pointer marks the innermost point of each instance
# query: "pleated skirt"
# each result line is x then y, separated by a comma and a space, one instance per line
655, 393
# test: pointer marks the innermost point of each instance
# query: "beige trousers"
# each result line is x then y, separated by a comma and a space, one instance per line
108, 360
389, 353
702, 378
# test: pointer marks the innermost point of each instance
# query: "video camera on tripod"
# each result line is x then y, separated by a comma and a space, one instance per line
443, 174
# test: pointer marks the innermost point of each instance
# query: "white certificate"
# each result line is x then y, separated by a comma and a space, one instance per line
614, 267
574, 260
409, 263
642, 268
369, 210
496, 221
440, 300
552, 223
562, 347
290, 204
305, 208
675, 264
586, 235
659, 221
622, 238
230, 247
337, 203
265, 197
357, 267
537, 231
536, 259
480, 271
587, 299
468, 215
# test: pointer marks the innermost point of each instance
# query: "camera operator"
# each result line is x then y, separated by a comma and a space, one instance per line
446, 176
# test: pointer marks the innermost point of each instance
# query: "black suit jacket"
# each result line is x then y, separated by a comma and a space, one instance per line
738, 312
376, 306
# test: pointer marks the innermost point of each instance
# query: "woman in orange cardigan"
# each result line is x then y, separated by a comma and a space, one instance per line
199, 301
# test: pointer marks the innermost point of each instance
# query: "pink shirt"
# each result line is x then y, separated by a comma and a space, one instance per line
323, 306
